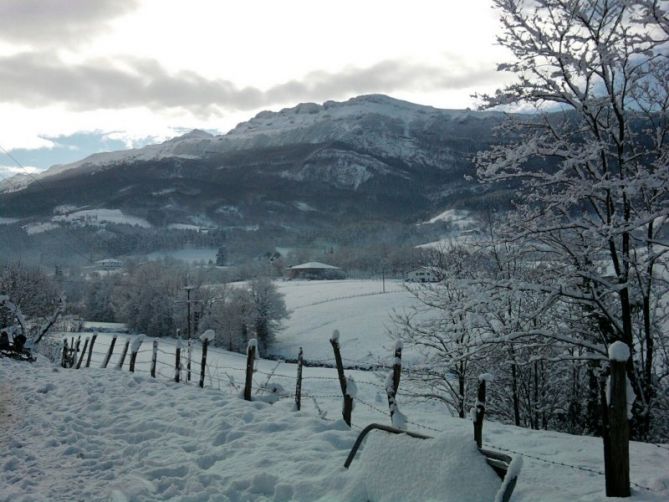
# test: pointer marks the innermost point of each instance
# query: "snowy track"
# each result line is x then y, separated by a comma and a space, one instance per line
95, 434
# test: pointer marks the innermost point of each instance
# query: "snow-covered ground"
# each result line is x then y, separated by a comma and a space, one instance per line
359, 309
106, 434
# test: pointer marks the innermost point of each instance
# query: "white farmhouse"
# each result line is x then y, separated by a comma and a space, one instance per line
423, 274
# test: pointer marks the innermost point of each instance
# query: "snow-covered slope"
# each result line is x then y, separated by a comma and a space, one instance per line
380, 124
105, 434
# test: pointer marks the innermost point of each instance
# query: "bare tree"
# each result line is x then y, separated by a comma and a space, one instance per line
594, 173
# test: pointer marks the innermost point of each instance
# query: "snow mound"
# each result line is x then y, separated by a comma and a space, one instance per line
618, 351
448, 468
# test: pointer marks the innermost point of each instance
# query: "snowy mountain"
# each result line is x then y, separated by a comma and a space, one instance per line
313, 166
380, 125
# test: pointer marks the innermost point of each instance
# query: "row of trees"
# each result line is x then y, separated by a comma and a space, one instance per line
151, 298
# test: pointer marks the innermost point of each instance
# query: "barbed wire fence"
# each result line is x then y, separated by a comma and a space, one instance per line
227, 377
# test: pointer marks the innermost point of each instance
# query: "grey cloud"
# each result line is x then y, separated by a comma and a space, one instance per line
39, 22
39, 78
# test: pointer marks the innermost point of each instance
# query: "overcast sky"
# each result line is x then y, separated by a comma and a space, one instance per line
78, 76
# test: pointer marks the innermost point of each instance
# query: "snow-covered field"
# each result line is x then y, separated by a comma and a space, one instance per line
108, 434
359, 309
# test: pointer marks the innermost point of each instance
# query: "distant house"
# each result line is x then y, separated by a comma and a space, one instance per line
314, 270
109, 264
423, 274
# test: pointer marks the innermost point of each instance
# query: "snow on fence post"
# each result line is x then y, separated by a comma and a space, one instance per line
190, 354
154, 358
123, 354
348, 399
83, 353
250, 356
177, 361
76, 351
298, 385
136, 344
90, 350
397, 419
619, 397
479, 410
109, 352
63, 361
205, 337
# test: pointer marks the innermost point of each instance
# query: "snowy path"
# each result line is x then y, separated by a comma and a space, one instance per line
95, 434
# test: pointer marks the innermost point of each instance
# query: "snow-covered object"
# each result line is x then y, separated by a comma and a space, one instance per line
399, 419
270, 393
136, 343
390, 384
448, 468
486, 377
209, 335
351, 387
629, 394
619, 351
512, 472
335, 336
399, 345
179, 343
252, 344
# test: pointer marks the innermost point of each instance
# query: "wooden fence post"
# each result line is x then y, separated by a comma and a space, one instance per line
83, 353
205, 337
298, 385
63, 361
90, 350
392, 384
250, 356
177, 361
123, 354
109, 352
348, 399
190, 352
75, 353
617, 465
136, 344
479, 410
154, 358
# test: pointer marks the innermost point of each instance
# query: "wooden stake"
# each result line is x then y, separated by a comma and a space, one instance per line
250, 356
109, 352
203, 362
83, 352
348, 400
63, 360
154, 358
617, 469
177, 362
298, 385
136, 344
90, 350
190, 351
393, 385
123, 354
479, 412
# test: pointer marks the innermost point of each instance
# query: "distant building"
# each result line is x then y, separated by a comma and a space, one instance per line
314, 270
423, 274
109, 264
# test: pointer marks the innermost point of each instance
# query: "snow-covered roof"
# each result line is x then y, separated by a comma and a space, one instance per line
312, 265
